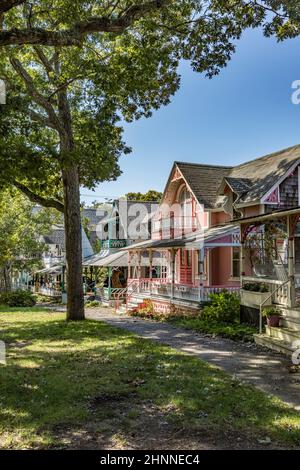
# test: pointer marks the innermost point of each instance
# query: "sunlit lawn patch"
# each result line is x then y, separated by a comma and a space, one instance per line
61, 374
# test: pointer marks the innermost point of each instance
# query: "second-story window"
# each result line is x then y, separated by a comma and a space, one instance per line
185, 201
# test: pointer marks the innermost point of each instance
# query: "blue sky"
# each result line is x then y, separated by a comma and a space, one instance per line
243, 113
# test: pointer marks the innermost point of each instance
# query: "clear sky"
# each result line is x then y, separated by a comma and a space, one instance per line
244, 113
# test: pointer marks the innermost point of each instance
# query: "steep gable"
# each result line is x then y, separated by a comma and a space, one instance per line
203, 180
252, 180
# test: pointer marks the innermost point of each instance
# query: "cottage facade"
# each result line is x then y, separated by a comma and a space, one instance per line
196, 230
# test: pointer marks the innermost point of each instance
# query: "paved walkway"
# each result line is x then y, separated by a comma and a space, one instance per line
266, 370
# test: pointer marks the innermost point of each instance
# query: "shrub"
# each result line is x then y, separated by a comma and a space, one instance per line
144, 310
18, 298
46, 299
224, 307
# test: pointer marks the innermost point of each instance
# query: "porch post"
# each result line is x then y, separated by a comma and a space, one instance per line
139, 269
109, 281
63, 279
201, 255
291, 261
242, 256
150, 270
173, 255
91, 273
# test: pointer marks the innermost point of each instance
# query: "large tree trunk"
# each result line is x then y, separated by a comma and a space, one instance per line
75, 305
72, 216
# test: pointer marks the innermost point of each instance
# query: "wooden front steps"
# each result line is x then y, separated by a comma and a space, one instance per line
284, 338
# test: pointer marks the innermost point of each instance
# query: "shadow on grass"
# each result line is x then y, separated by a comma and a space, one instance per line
63, 377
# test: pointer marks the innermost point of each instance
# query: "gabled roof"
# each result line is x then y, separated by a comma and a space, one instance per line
94, 216
238, 185
260, 175
56, 236
203, 180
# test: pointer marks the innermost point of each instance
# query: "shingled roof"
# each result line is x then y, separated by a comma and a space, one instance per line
250, 181
204, 180
259, 176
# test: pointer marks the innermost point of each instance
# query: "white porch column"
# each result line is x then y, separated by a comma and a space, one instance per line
291, 261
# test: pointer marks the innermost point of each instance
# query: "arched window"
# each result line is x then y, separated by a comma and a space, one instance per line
185, 201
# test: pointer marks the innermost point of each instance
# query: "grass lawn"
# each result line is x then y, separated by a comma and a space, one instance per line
89, 385
235, 331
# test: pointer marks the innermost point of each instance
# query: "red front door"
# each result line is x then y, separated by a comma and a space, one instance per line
186, 267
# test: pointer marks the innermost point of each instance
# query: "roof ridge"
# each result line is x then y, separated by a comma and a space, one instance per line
204, 165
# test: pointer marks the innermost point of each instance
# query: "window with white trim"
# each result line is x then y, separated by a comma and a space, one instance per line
236, 256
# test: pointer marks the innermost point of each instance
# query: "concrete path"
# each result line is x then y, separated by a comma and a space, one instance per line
266, 370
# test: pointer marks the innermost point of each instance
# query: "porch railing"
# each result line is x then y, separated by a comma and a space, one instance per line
163, 288
207, 291
174, 226
48, 291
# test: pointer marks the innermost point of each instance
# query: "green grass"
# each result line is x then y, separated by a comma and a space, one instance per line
235, 331
63, 376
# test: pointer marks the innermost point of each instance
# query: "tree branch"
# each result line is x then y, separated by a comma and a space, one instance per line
45, 202
74, 36
40, 118
7, 5
38, 98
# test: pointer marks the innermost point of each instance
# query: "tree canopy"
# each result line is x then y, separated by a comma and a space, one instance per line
151, 195
21, 226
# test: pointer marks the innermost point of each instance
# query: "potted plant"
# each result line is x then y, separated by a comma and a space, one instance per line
255, 294
273, 316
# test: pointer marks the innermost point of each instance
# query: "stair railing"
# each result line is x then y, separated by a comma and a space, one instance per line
268, 298
124, 293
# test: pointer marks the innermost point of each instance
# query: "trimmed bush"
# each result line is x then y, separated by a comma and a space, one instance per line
224, 307
18, 298
93, 304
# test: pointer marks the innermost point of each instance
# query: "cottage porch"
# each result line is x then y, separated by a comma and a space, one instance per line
179, 272
273, 240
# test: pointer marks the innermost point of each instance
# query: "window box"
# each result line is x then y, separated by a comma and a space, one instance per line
254, 299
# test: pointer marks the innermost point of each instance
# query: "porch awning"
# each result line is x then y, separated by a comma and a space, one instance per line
52, 270
118, 259
265, 217
221, 235
95, 258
